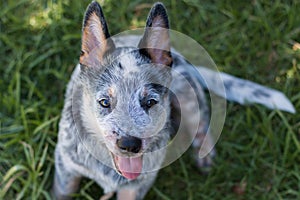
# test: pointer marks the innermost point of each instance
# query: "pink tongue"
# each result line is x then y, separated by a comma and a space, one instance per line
130, 167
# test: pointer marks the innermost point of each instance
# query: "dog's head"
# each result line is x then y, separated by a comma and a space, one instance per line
126, 97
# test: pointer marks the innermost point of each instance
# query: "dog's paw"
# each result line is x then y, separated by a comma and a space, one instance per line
107, 196
204, 152
204, 160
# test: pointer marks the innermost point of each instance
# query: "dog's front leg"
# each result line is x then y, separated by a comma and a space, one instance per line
131, 193
136, 192
64, 186
65, 182
127, 193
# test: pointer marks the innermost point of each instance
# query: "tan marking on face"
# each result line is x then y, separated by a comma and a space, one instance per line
112, 91
145, 92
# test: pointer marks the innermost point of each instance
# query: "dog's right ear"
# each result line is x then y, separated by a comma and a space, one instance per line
155, 42
95, 37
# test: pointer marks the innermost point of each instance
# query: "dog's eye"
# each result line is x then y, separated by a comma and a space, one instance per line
104, 103
151, 102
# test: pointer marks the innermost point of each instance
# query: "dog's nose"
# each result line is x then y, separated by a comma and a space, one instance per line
130, 144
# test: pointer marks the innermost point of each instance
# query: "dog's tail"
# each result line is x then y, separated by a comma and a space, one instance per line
242, 91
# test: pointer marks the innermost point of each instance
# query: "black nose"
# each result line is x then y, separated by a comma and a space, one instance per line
130, 144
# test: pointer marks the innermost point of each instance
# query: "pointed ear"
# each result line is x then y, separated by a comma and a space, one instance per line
155, 42
95, 37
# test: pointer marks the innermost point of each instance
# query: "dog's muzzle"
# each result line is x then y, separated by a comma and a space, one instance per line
129, 144
129, 166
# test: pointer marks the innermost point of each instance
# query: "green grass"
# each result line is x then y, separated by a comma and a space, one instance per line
259, 150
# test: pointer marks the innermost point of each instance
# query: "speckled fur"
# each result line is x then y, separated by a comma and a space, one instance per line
87, 132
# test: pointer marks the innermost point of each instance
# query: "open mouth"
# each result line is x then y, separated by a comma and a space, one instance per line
129, 167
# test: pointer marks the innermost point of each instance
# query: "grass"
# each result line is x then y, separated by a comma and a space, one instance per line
259, 150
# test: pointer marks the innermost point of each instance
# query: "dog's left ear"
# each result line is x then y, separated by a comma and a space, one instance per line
155, 42
95, 37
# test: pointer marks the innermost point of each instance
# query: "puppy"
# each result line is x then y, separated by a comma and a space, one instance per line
129, 106
116, 123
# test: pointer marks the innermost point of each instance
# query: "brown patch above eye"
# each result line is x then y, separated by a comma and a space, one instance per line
145, 92
111, 91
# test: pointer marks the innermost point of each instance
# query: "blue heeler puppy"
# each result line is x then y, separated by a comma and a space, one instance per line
122, 106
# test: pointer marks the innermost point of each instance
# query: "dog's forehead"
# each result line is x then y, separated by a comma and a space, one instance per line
132, 67
129, 71
130, 64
